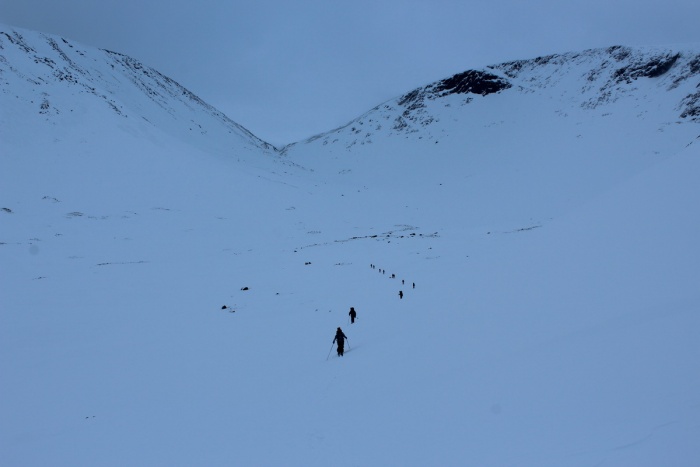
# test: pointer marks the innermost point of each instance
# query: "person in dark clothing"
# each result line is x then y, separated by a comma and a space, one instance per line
352, 314
340, 338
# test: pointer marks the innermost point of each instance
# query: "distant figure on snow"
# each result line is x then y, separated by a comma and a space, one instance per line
400, 293
352, 314
340, 338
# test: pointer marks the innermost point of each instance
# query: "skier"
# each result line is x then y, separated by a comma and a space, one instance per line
340, 337
352, 314
400, 293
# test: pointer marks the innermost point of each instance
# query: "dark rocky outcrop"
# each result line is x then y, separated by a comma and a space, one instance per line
469, 82
474, 82
653, 68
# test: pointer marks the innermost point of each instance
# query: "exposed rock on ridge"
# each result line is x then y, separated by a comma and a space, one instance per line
603, 76
612, 72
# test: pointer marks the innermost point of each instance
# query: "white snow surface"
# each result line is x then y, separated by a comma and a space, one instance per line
552, 240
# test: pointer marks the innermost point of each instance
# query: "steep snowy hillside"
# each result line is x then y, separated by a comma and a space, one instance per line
654, 81
169, 296
48, 78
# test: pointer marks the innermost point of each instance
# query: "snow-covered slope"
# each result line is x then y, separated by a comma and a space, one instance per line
45, 77
651, 80
519, 143
551, 236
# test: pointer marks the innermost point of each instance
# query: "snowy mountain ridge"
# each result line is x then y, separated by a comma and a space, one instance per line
57, 76
40, 61
590, 79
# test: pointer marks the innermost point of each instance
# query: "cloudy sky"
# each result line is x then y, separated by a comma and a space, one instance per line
289, 69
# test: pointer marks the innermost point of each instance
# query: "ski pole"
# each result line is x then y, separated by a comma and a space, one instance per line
329, 351
348, 342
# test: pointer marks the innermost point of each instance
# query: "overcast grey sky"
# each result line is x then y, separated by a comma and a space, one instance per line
289, 69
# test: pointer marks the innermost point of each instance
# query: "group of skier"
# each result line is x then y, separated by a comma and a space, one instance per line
340, 336
393, 276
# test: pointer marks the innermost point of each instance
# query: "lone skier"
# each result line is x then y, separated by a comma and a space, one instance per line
353, 314
340, 337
